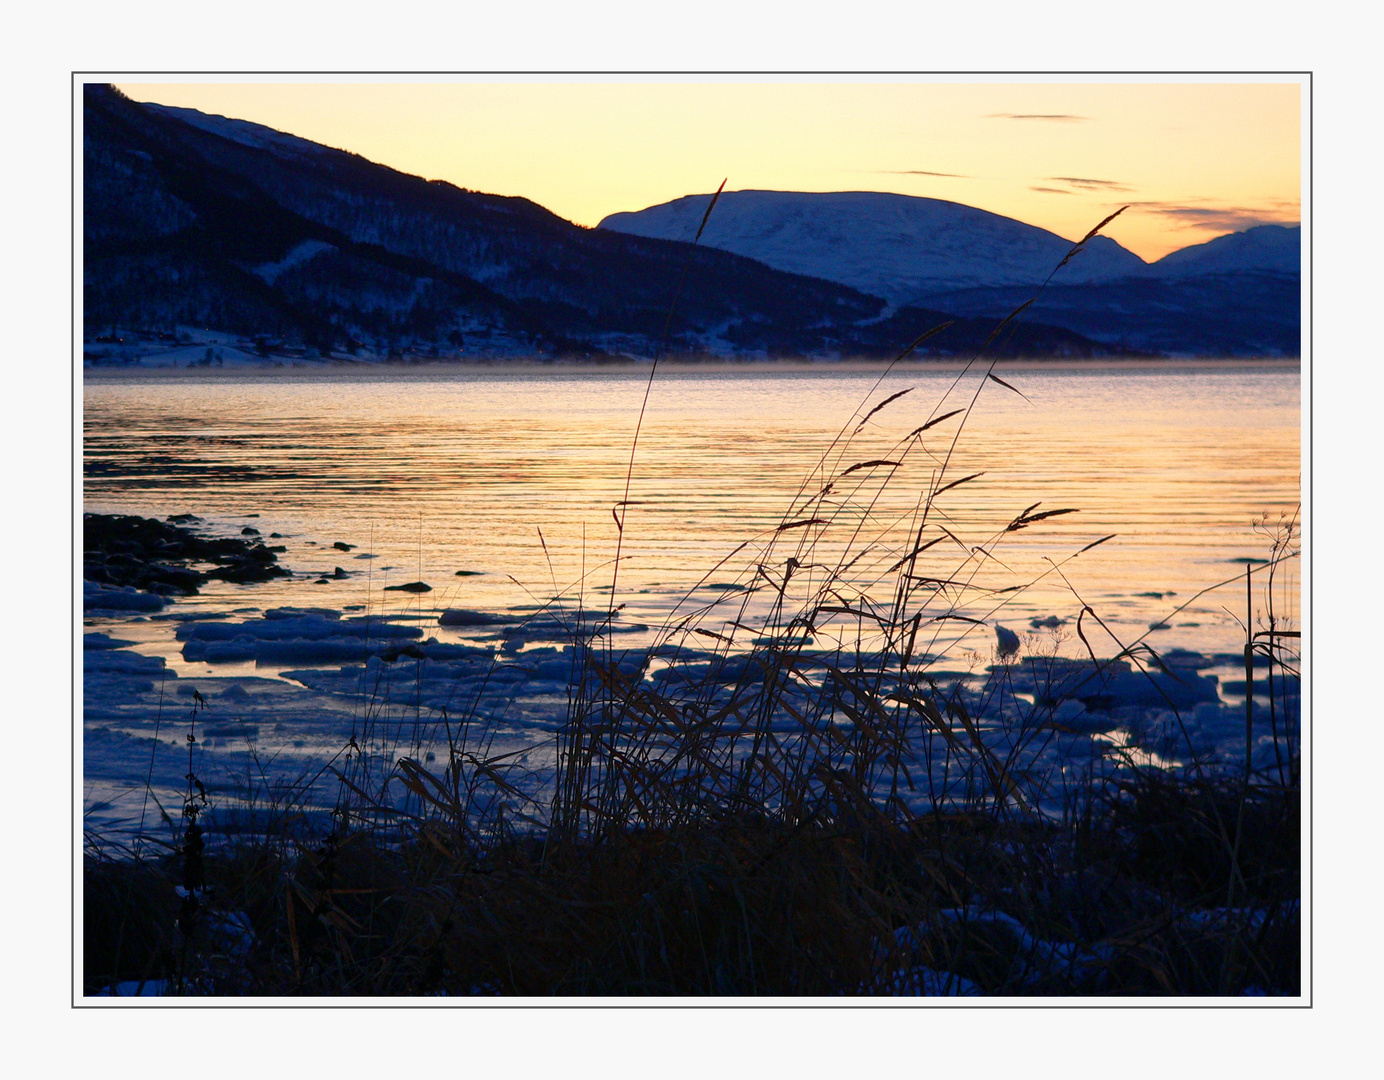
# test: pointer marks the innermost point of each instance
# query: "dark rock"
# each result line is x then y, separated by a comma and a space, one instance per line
1006, 640
343, 547
125, 550
463, 617
340, 573
179, 577
278, 614
248, 571
248, 531
412, 586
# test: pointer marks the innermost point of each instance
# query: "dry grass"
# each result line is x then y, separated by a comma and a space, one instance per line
759, 815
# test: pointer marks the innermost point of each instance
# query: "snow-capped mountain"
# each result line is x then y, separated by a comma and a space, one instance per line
1274, 249
225, 227
895, 246
232, 228
1236, 295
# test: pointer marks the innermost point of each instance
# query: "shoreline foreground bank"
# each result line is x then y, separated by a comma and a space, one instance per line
390, 829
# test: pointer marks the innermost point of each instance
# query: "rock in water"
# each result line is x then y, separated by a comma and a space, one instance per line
120, 550
463, 617
1008, 641
412, 586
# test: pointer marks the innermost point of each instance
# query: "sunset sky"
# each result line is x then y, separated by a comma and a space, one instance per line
1193, 160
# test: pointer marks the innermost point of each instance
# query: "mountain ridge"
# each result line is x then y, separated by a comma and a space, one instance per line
745, 218
896, 246
1238, 294
208, 222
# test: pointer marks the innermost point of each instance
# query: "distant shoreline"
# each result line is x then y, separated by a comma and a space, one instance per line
435, 369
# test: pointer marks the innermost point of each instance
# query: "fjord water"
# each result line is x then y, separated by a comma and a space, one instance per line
427, 473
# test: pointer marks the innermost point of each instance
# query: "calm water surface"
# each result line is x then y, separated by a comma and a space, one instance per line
430, 474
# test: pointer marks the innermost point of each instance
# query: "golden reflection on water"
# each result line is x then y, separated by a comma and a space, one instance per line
436, 474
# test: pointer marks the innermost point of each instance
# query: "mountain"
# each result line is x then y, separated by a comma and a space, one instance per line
895, 246
1237, 295
1214, 315
204, 225
1271, 249
196, 226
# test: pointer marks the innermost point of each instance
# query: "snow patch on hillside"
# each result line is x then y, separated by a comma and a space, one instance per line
241, 131
895, 246
308, 249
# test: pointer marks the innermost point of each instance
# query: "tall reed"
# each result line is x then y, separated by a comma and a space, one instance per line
782, 794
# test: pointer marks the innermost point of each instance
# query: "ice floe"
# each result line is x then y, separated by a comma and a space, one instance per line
119, 598
331, 675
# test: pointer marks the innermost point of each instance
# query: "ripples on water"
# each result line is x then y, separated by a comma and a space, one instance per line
435, 473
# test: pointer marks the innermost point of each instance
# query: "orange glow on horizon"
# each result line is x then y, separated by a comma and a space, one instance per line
1193, 160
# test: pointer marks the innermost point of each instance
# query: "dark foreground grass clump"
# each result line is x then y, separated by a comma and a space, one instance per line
1173, 887
129, 916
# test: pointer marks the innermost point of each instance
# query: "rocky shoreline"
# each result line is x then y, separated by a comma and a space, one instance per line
145, 560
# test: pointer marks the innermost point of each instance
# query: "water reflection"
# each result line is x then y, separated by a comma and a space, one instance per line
435, 475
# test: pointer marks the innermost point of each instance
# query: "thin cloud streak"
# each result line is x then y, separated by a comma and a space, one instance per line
923, 172
1087, 184
1062, 118
1217, 219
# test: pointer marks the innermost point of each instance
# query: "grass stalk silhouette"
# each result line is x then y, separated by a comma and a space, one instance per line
781, 794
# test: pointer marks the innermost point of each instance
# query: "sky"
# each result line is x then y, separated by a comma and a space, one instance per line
1192, 160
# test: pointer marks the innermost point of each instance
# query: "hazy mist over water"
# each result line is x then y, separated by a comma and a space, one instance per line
435, 473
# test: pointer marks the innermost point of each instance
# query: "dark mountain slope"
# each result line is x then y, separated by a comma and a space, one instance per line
199, 221
1222, 314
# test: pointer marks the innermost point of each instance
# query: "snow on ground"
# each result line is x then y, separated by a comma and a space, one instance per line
304, 252
332, 694
263, 707
328, 688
